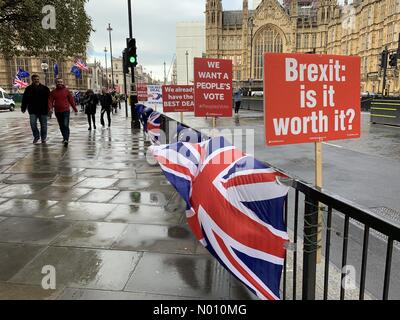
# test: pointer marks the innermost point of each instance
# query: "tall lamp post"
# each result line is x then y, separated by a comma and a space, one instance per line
105, 56
109, 29
187, 67
251, 26
135, 123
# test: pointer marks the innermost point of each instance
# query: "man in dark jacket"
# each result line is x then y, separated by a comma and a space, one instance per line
35, 99
106, 104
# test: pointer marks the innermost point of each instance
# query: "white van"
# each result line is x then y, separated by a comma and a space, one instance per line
6, 102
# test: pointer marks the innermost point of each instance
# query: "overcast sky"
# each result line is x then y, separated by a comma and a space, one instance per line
154, 23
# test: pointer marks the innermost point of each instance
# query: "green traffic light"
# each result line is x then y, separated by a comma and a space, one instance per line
132, 59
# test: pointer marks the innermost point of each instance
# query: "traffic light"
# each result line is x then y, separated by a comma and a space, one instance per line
125, 61
132, 54
383, 59
393, 60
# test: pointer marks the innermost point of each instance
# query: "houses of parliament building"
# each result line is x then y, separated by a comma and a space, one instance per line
362, 28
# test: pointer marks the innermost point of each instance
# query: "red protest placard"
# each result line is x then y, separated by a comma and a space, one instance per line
178, 98
213, 87
142, 92
311, 98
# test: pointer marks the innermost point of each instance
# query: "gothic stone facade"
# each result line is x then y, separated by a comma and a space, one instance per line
362, 28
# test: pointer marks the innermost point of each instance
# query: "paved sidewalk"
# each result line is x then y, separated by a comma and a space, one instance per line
109, 223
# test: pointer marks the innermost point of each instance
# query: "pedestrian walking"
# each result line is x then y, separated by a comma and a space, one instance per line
106, 104
91, 102
61, 100
114, 101
237, 99
35, 100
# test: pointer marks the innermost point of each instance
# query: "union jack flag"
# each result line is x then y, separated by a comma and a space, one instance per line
235, 207
81, 65
153, 127
20, 83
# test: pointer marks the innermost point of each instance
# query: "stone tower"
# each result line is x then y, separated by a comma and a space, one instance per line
213, 27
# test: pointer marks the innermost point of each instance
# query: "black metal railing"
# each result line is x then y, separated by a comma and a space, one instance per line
306, 225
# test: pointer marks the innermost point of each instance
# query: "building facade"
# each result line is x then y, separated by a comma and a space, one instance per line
96, 77
190, 43
362, 28
9, 68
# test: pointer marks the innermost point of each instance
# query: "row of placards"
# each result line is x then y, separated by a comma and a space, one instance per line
211, 94
308, 97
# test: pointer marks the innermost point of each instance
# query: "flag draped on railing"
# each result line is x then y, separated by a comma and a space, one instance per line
151, 121
235, 207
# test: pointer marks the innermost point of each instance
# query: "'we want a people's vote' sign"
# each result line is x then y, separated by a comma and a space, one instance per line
311, 98
213, 87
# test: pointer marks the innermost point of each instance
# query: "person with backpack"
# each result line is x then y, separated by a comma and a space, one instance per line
106, 105
91, 102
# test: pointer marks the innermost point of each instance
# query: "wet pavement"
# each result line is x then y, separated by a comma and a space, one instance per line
109, 223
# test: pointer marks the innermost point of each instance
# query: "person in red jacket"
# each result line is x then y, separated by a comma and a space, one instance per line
61, 100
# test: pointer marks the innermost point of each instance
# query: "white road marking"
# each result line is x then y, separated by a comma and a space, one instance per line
332, 145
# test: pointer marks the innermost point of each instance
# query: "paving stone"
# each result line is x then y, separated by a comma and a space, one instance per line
97, 183
99, 196
181, 275
169, 239
79, 211
32, 231
99, 173
24, 207
60, 193
14, 257
90, 235
82, 268
10, 291
67, 181
134, 197
144, 215
85, 294
20, 190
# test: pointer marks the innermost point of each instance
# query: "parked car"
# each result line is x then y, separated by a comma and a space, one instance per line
6, 102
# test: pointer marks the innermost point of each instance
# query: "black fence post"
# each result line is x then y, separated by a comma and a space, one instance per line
310, 248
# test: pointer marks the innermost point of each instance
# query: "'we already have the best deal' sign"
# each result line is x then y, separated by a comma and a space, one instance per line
311, 98
213, 87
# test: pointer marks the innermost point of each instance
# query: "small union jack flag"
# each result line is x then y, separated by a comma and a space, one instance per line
81, 65
18, 83
235, 208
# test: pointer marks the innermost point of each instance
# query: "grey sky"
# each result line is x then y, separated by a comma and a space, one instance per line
154, 23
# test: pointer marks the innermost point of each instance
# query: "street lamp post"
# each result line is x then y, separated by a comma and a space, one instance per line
45, 67
187, 67
109, 29
251, 26
105, 55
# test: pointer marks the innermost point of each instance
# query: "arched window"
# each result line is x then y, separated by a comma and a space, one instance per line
268, 40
